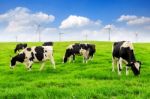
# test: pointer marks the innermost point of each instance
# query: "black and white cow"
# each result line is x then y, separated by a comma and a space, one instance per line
87, 50
34, 54
47, 44
20, 46
123, 52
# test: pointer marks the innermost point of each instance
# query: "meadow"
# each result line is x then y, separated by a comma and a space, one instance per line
77, 80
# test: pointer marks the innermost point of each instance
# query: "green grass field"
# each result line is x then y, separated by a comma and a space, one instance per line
93, 80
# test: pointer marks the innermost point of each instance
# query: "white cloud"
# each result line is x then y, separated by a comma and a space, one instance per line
127, 18
134, 20
22, 19
139, 21
22, 22
74, 21
111, 26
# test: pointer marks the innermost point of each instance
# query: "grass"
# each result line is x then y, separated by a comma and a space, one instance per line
74, 80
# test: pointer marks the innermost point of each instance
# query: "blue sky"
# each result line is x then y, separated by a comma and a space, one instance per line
107, 11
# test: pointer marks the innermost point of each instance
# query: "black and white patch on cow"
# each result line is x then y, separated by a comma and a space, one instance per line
34, 54
20, 46
86, 50
123, 52
47, 44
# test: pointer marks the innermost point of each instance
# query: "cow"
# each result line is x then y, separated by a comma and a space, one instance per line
123, 51
19, 47
34, 54
47, 44
87, 50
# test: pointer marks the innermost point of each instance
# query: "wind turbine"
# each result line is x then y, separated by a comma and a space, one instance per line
86, 36
60, 36
108, 27
136, 36
38, 32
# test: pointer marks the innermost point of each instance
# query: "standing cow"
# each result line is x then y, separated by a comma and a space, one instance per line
87, 50
34, 54
20, 46
123, 52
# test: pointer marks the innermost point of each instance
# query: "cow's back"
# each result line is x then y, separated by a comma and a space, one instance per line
41, 53
116, 49
76, 48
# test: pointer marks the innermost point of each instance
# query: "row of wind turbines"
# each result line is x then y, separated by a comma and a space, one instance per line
109, 28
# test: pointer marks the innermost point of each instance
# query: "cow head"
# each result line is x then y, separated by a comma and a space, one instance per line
65, 59
13, 62
92, 50
19, 57
67, 55
135, 66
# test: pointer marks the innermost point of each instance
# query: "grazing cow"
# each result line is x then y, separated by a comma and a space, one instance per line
87, 50
20, 46
123, 52
47, 44
34, 54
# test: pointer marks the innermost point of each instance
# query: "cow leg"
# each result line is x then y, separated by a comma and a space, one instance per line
120, 62
73, 58
26, 65
86, 56
52, 61
86, 59
118, 66
30, 65
113, 64
83, 60
70, 58
91, 57
83, 52
127, 70
41, 68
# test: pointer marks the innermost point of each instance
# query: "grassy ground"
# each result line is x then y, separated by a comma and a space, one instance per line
74, 80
